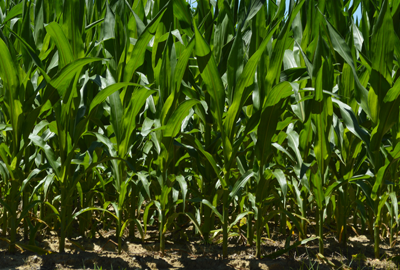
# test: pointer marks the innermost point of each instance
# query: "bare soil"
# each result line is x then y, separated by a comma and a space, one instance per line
102, 253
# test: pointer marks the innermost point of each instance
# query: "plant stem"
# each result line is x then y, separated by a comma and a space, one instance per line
25, 203
225, 225
371, 223
5, 222
63, 218
13, 216
250, 233
162, 238
321, 231
391, 227
119, 235
376, 238
13, 232
133, 212
259, 233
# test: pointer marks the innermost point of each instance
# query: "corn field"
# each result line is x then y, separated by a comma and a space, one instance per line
212, 121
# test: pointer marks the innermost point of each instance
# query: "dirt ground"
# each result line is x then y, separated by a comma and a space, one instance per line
101, 253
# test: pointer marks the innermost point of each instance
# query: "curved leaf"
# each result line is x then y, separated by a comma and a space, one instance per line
62, 80
175, 121
240, 183
62, 43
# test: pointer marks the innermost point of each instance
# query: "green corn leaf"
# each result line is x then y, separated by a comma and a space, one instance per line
108, 27
382, 42
94, 24
73, 25
239, 218
87, 209
33, 54
210, 74
32, 174
146, 184
146, 214
351, 122
274, 70
280, 176
54, 210
196, 224
50, 155
197, 144
138, 100
387, 114
174, 123
64, 48
269, 120
212, 207
184, 188
182, 13
235, 64
121, 233
106, 92
9, 75
177, 82
382, 202
14, 12
341, 47
294, 144
240, 183
64, 77
245, 79
137, 56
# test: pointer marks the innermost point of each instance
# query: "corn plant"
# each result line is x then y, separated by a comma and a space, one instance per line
255, 115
